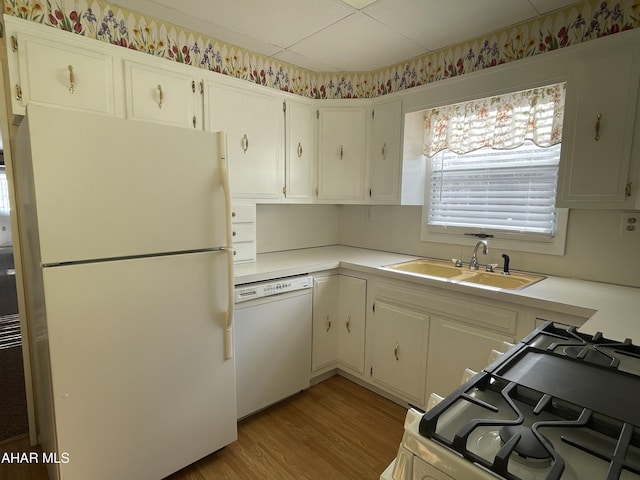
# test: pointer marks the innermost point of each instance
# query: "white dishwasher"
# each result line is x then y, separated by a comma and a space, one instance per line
272, 331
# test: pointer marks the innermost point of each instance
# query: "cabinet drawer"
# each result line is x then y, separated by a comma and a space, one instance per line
159, 95
244, 252
243, 232
61, 75
243, 213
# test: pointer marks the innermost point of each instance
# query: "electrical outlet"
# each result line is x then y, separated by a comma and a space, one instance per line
630, 224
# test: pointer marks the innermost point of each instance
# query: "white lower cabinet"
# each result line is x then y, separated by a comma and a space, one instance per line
325, 334
421, 339
399, 350
454, 346
339, 323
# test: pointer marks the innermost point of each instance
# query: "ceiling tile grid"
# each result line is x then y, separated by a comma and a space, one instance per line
381, 27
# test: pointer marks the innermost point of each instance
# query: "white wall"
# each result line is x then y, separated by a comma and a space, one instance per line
287, 227
595, 250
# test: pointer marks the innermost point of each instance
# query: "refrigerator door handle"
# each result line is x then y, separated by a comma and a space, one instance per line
224, 172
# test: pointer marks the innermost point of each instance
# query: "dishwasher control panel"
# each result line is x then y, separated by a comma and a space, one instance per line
273, 287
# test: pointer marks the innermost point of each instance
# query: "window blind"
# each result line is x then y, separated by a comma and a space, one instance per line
490, 189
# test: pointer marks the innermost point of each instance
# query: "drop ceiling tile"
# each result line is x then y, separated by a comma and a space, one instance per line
199, 25
546, 6
278, 22
440, 23
301, 61
357, 43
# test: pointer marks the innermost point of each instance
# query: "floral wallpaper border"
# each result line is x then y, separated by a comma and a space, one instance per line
99, 20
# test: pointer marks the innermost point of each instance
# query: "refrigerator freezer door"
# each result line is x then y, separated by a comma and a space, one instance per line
140, 384
107, 187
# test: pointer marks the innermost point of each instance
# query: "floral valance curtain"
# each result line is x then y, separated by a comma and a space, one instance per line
500, 122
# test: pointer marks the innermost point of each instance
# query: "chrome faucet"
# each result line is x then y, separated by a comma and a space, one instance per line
473, 264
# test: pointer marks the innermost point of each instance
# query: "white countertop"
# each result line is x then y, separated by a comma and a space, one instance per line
612, 309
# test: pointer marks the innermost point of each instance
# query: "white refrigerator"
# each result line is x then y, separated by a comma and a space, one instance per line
125, 227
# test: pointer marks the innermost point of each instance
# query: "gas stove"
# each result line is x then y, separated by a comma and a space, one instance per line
560, 405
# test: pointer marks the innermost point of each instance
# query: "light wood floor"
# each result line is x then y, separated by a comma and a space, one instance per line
335, 430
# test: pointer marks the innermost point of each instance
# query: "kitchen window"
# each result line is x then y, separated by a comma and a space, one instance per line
493, 170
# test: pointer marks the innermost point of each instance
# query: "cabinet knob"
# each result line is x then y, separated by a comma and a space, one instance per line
72, 80
598, 118
160, 96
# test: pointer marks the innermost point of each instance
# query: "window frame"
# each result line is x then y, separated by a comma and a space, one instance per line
518, 241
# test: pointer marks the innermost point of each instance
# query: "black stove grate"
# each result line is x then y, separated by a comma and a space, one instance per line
521, 383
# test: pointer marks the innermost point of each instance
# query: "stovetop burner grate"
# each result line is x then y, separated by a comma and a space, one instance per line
513, 402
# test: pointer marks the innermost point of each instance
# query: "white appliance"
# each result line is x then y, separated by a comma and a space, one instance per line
559, 405
125, 225
273, 341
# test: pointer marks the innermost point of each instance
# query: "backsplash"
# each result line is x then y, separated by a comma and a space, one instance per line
102, 21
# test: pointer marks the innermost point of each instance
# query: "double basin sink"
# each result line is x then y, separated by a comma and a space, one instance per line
444, 270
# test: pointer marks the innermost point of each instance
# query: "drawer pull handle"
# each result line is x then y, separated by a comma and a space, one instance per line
384, 151
328, 323
598, 118
161, 96
233, 233
341, 153
299, 150
349, 323
245, 143
395, 351
72, 80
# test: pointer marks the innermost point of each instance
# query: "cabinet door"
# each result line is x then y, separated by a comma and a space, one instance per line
600, 110
160, 94
254, 124
299, 165
384, 157
399, 350
64, 75
454, 346
341, 154
325, 322
352, 299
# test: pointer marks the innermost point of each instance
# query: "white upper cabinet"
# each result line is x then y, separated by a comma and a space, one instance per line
162, 92
599, 126
342, 154
254, 124
59, 71
299, 155
384, 152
